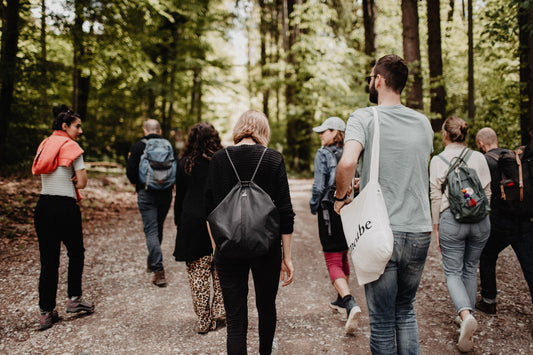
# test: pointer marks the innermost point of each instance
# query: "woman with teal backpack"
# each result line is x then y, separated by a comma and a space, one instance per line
460, 242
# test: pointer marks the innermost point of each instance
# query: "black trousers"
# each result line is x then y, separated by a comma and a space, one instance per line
58, 219
233, 274
516, 232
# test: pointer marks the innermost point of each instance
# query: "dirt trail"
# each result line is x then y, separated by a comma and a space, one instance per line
133, 316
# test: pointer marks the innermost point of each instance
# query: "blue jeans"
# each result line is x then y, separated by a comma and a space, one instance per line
461, 245
393, 325
505, 231
154, 206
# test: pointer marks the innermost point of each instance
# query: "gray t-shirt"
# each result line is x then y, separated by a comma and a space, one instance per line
406, 142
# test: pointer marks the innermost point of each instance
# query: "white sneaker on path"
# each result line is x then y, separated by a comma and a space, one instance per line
468, 327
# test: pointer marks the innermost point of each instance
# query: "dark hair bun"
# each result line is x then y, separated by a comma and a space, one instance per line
58, 109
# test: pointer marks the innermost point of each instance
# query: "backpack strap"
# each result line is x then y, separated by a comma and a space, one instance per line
463, 157
256, 168
517, 153
493, 155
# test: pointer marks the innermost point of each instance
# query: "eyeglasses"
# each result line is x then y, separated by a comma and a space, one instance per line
369, 78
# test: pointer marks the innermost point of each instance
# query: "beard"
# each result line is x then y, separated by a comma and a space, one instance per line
373, 94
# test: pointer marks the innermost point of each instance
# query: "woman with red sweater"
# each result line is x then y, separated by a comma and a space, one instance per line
59, 161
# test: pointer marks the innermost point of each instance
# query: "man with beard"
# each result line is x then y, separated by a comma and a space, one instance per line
406, 142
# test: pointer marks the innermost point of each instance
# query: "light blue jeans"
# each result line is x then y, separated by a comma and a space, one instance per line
393, 324
154, 206
461, 245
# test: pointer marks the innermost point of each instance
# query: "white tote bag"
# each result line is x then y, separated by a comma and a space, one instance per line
366, 223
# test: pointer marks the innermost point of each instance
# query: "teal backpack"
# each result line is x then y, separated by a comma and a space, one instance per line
468, 202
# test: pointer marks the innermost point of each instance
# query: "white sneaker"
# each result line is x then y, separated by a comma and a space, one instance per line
353, 320
468, 327
458, 320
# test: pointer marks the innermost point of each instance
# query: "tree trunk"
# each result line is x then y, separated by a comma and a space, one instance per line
437, 89
411, 50
263, 31
196, 95
8, 66
298, 126
525, 23
44, 74
471, 94
81, 81
450, 12
369, 20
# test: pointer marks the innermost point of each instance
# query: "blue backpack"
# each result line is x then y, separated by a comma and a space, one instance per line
157, 166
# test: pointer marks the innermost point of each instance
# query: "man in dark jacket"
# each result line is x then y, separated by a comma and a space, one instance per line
507, 229
153, 204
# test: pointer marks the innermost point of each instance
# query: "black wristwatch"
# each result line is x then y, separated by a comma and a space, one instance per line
340, 199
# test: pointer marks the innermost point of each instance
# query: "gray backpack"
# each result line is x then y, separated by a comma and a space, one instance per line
468, 202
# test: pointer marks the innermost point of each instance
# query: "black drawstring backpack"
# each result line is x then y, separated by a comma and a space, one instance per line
246, 223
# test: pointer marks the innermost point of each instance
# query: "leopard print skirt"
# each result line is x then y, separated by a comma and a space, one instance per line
210, 310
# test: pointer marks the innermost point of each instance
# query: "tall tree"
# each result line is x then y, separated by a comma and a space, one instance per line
298, 126
471, 93
8, 66
369, 20
525, 22
436, 81
43, 66
81, 75
411, 52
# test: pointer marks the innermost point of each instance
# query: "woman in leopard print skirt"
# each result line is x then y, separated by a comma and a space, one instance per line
192, 241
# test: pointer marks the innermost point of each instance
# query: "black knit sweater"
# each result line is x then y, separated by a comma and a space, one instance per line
271, 177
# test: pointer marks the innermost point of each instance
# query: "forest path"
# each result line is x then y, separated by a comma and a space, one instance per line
133, 316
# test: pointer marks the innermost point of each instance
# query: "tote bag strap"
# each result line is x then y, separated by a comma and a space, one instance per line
256, 168
374, 160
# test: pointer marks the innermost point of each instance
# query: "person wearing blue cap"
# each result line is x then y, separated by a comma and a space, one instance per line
330, 230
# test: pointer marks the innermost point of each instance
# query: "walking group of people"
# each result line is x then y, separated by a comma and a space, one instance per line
206, 173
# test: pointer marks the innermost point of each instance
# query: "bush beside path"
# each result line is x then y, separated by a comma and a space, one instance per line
133, 316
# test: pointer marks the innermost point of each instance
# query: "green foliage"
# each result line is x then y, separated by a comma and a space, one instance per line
142, 58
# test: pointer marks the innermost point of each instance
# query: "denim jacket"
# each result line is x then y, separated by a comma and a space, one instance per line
325, 168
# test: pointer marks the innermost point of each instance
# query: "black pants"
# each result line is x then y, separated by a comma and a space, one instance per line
58, 219
505, 231
233, 275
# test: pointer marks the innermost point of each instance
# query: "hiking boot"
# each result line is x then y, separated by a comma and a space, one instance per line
159, 278
353, 313
48, 319
149, 268
78, 304
468, 327
337, 305
487, 308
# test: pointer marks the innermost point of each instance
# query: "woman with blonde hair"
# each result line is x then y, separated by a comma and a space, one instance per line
251, 135
460, 243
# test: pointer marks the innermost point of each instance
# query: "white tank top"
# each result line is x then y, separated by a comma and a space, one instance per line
58, 182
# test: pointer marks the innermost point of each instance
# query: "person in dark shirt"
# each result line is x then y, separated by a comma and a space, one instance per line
153, 204
506, 229
251, 135
192, 240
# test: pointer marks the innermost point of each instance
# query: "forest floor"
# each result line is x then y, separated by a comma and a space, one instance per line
133, 316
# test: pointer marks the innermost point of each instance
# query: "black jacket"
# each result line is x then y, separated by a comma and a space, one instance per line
192, 240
